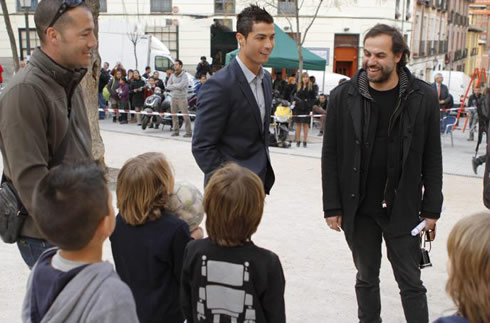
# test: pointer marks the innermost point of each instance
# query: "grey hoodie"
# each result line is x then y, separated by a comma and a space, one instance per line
95, 294
177, 85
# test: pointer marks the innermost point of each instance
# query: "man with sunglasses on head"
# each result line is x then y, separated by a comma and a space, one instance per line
44, 119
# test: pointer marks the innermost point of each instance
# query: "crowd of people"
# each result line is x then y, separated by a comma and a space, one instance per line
381, 176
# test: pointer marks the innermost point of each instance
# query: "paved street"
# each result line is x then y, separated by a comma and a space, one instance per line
317, 263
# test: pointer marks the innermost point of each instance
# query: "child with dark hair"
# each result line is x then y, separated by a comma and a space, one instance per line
226, 276
71, 283
148, 242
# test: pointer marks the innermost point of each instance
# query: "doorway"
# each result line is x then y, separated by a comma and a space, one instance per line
346, 54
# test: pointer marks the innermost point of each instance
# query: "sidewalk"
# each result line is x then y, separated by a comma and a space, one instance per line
317, 263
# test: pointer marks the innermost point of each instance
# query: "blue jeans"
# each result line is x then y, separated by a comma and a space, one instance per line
31, 249
102, 105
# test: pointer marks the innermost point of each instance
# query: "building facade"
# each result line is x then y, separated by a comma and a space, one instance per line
480, 19
195, 28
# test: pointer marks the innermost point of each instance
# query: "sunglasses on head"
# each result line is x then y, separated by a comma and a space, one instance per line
64, 7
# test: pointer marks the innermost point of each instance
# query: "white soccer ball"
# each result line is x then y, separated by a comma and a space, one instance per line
186, 203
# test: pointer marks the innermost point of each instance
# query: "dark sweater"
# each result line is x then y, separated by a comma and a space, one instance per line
382, 108
245, 281
149, 258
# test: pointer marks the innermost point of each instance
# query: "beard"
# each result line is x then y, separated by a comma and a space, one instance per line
385, 73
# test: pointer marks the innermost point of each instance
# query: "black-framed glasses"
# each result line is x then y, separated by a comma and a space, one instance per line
64, 7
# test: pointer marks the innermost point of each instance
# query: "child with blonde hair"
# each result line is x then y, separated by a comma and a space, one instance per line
148, 242
468, 248
226, 277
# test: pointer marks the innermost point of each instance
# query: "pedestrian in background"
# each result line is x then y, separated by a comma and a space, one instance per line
123, 94
203, 68
305, 98
177, 85
137, 88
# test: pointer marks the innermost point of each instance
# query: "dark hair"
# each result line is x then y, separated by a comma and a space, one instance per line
148, 68
45, 12
399, 45
179, 61
249, 16
203, 57
70, 202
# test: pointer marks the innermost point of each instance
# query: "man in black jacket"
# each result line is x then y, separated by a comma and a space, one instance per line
382, 170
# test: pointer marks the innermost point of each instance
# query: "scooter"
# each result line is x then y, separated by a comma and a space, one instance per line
152, 104
282, 117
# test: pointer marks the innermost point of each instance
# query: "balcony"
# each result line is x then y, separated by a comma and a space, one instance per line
435, 47
422, 48
474, 51
430, 49
465, 52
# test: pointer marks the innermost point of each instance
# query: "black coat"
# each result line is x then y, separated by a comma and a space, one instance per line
419, 162
137, 98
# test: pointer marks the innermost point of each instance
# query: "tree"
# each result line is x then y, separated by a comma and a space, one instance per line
90, 87
134, 37
295, 26
10, 32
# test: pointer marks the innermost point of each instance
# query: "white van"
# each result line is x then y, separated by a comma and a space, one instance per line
115, 45
457, 84
331, 80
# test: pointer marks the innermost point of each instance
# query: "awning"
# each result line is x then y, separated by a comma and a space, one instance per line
285, 54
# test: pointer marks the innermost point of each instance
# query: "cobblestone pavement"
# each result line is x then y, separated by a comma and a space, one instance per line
317, 263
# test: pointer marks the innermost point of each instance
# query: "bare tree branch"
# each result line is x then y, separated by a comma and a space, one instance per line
10, 32
311, 22
301, 5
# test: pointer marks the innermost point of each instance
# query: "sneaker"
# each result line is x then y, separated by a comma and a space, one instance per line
298, 143
320, 134
175, 134
475, 164
187, 135
469, 139
304, 144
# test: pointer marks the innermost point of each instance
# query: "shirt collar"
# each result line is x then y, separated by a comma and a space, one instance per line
249, 75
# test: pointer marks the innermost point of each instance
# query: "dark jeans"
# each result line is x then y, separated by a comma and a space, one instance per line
102, 105
31, 248
404, 255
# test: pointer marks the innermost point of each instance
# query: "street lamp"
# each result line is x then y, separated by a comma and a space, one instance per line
26, 5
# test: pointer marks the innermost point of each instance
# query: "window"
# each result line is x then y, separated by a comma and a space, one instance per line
286, 7
33, 40
31, 9
103, 6
161, 6
224, 6
162, 63
169, 35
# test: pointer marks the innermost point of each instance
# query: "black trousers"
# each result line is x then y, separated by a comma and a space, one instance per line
404, 255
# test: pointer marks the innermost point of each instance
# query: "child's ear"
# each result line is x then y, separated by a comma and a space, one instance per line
105, 227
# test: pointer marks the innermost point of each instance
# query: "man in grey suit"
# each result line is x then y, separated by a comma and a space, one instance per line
234, 105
